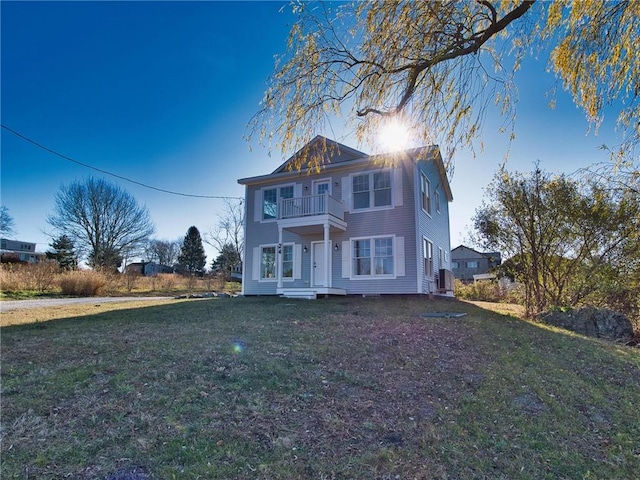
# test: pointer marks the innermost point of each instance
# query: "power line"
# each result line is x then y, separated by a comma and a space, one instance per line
53, 152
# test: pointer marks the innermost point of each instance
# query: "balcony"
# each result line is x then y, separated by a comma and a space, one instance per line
301, 213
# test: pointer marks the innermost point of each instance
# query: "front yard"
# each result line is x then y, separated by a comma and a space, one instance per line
340, 388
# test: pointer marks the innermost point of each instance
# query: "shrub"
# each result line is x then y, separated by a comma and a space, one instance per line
38, 277
486, 290
167, 281
83, 283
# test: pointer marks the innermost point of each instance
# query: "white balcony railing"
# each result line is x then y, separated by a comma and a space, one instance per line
311, 205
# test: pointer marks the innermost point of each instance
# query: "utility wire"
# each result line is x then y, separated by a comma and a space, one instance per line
53, 152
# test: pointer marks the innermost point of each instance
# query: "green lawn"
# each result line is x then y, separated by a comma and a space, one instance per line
270, 388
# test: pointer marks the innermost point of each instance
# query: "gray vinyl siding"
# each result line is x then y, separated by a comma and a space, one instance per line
434, 227
399, 222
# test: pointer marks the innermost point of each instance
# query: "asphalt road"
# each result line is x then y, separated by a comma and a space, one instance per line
5, 306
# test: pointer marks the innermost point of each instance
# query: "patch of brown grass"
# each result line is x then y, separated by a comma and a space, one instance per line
339, 388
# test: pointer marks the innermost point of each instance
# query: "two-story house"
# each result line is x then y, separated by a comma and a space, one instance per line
467, 263
19, 251
359, 225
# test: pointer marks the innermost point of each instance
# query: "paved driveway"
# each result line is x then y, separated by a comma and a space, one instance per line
5, 306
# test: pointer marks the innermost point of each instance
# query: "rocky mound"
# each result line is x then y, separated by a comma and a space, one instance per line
592, 322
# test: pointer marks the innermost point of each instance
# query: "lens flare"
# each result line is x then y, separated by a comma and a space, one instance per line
239, 346
394, 135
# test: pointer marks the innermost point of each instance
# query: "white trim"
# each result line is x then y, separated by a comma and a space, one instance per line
396, 182
297, 188
388, 276
259, 261
346, 193
424, 175
293, 262
430, 280
255, 264
320, 181
346, 259
297, 261
319, 244
399, 256
371, 208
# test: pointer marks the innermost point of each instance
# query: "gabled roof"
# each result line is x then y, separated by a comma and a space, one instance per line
480, 254
460, 247
337, 155
333, 151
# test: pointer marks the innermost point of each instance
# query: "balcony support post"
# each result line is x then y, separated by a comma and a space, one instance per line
327, 256
279, 258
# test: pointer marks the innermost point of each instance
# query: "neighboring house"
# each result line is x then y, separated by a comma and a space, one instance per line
19, 251
466, 262
356, 226
236, 273
147, 269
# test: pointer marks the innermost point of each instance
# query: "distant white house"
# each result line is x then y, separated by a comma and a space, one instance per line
19, 251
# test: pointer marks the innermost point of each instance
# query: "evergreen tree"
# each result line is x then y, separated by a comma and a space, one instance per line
192, 258
63, 252
226, 260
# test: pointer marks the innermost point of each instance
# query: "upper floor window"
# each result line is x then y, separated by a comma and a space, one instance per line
371, 190
436, 197
270, 199
472, 264
425, 193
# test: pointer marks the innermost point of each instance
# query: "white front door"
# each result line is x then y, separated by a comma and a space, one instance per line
318, 264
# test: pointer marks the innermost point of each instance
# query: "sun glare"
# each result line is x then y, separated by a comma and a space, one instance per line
394, 136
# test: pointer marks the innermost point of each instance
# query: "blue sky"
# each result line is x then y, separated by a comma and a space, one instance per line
161, 92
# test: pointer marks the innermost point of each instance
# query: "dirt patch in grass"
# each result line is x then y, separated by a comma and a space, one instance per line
337, 388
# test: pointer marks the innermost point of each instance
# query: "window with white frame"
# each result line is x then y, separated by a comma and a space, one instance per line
372, 190
271, 198
427, 253
472, 264
268, 263
373, 257
287, 262
425, 193
436, 197
440, 258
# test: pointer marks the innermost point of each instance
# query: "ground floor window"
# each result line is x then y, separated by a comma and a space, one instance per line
373, 257
287, 261
268, 263
427, 252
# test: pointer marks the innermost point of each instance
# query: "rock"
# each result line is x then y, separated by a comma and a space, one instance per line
591, 322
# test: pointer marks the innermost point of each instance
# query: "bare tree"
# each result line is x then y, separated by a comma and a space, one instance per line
104, 221
7, 225
230, 229
164, 252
